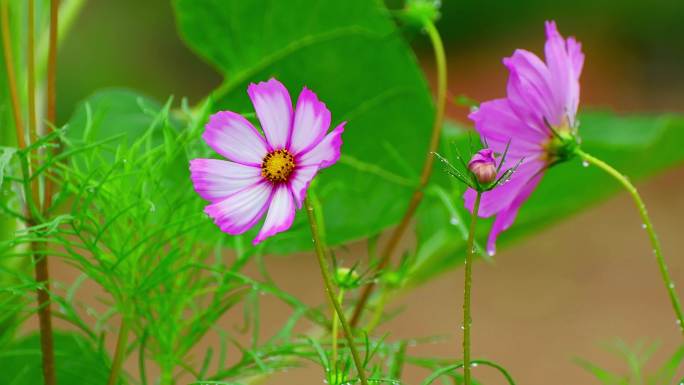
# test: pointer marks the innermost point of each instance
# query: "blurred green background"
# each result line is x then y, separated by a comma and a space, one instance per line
637, 45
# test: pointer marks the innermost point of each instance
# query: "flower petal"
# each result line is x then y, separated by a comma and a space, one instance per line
311, 122
216, 179
234, 137
274, 109
241, 210
325, 153
505, 219
498, 124
499, 199
299, 182
564, 79
280, 214
529, 92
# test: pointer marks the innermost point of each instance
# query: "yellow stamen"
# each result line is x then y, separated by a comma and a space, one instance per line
277, 166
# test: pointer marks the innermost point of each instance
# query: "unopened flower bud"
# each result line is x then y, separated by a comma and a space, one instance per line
417, 12
347, 278
483, 166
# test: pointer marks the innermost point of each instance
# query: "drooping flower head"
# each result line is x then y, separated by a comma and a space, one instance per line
537, 117
266, 174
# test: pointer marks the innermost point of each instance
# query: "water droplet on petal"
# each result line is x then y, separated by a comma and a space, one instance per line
490, 253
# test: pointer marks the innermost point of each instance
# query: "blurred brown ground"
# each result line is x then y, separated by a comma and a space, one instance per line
545, 300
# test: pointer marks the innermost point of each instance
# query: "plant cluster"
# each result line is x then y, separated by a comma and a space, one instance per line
167, 212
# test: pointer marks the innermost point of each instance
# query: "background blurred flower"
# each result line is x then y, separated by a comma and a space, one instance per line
538, 118
265, 174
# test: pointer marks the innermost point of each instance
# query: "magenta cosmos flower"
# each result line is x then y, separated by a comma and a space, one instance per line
265, 175
538, 117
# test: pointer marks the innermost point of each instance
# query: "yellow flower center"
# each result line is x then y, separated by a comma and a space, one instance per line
277, 166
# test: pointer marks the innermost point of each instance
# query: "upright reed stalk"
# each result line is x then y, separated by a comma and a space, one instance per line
648, 226
31, 192
40, 259
52, 86
330, 290
398, 233
11, 76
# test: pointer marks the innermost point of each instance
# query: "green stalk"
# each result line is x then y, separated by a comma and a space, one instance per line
440, 105
467, 289
119, 352
330, 291
648, 226
335, 329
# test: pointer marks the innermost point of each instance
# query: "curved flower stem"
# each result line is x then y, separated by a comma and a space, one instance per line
119, 352
648, 226
466, 291
397, 234
330, 291
438, 373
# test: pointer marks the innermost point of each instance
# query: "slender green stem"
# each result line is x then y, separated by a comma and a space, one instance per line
467, 320
648, 226
379, 310
335, 328
119, 352
330, 291
440, 104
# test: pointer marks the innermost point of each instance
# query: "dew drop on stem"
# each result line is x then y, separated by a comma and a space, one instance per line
585, 163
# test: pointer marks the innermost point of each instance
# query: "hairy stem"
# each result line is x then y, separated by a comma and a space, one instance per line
330, 291
648, 226
119, 352
397, 234
467, 320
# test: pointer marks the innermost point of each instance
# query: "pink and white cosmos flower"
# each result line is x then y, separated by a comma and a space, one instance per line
265, 175
537, 116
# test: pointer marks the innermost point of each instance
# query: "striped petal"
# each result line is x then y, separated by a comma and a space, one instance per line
216, 179
235, 138
241, 210
274, 109
280, 215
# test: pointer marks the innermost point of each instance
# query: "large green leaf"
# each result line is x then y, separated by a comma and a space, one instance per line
77, 361
350, 53
638, 146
